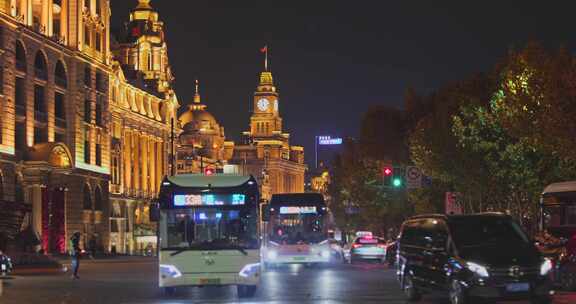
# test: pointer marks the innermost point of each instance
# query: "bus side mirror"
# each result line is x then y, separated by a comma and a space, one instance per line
265, 212
154, 212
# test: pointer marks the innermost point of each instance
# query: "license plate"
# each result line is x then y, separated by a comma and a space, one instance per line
518, 287
298, 258
210, 281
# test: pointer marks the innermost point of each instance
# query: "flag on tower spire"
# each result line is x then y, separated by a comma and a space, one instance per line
265, 51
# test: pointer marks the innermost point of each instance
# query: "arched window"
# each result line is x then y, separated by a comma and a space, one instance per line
98, 199
40, 66
60, 75
87, 202
20, 57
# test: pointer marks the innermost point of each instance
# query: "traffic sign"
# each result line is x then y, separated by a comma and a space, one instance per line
452, 206
413, 177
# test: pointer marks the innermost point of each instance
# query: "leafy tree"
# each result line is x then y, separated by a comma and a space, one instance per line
512, 131
435, 149
536, 99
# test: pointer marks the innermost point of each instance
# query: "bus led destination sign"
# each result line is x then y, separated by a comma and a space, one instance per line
298, 210
328, 141
190, 200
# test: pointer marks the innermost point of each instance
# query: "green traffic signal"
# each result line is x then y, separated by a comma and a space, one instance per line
397, 182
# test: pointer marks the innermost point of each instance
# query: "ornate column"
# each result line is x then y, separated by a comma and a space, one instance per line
136, 161
35, 195
144, 163
152, 153
159, 172
46, 17
64, 21
127, 160
13, 7
23, 10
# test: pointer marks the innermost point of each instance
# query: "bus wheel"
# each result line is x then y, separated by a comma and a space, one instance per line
246, 291
169, 291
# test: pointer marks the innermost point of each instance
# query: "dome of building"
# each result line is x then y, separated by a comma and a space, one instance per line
202, 115
197, 118
186, 117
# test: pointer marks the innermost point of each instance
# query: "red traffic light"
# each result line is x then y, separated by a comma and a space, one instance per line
209, 171
387, 171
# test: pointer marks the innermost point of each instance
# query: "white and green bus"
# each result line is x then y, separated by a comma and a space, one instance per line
208, 232
296, 230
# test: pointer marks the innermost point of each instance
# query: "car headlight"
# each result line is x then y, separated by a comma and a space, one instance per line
545, 267
169, 271
250, 270
325, 254
478, 269
272, 255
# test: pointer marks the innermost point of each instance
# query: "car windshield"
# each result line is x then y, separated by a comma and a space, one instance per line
209, 228
484, 231
297, 228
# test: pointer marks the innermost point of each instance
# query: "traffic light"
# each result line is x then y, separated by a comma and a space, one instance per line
397, 182
398, 178
387, 172
209, 171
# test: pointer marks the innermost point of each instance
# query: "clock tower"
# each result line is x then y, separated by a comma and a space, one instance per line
265, 120
265, 151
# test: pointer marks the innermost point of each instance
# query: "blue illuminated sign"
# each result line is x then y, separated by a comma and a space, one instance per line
328, 141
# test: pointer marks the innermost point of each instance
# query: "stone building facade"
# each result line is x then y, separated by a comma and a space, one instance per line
143, 107
63, 97
54, 151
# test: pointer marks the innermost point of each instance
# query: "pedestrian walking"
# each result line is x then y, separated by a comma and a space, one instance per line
76, 252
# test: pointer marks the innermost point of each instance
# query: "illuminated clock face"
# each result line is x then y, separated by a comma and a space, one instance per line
263, 104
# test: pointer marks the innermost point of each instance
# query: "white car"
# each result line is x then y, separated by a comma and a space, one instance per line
366, 248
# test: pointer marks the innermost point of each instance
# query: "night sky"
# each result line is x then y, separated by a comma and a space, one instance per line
333, 59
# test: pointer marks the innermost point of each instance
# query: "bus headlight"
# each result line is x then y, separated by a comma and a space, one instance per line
545, 267
272, 255
249, 270
169, 271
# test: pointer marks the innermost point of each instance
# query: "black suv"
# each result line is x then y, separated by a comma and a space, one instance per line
470, 256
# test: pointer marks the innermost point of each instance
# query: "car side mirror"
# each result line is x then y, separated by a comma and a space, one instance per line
154, 211
265, 212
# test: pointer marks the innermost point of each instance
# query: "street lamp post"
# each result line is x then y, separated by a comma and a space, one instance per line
316, 151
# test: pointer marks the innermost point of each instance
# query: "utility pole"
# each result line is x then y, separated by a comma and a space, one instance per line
172, 155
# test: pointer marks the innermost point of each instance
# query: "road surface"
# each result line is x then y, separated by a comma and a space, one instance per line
134, 281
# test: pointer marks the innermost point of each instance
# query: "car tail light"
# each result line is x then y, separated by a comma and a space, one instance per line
356, 245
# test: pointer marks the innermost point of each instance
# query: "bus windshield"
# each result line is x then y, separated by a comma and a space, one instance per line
297, 228
209, 228
559, 209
